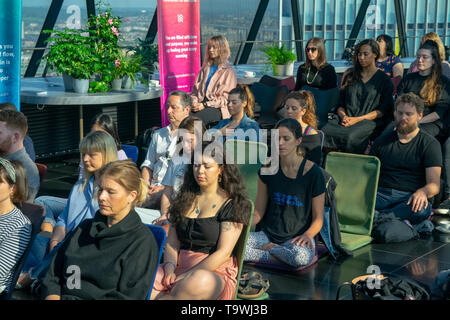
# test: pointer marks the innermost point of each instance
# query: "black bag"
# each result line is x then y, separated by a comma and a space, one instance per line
390, 288
387, 228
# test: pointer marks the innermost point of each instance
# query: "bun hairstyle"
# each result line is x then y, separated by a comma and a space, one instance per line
433, 85
245, 95
295, 128
306, 101
125, 173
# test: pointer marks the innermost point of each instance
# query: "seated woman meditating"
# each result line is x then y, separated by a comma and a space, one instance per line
97, 149
429, 84
364, 105
289, 205
55, 205
15, 228
215, 79
190, 131
207, 217
316, 71
241, 125
115, 252
301, 106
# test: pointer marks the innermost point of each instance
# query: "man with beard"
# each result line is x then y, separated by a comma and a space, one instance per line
411, 163
13, 129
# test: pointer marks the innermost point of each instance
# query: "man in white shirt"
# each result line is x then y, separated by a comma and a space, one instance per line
162, 147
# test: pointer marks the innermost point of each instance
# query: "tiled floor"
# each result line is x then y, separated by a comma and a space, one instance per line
420, 260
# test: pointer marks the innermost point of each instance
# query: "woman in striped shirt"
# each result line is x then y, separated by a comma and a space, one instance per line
15, 228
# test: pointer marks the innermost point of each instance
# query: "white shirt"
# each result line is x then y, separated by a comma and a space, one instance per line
159, 153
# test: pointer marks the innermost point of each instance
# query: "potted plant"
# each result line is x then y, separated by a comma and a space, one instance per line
130, 66
281, 59
71, 54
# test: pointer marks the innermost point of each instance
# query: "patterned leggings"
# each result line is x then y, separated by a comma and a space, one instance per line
289, 253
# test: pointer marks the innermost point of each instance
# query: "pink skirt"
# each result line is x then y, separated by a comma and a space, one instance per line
188, 259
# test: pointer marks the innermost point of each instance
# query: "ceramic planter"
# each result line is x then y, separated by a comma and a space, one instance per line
117, 84
68, 82
81, 85
285, 69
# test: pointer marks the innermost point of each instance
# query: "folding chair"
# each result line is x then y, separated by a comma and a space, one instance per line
248, 156
131, 152
160, 237
36, 214
325, 100
357, 181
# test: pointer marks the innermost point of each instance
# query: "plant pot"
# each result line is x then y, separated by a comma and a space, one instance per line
127, 82
285, 69
117, 84
68, 82
81, 85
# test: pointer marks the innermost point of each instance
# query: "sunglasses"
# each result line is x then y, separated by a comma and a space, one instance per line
312, 49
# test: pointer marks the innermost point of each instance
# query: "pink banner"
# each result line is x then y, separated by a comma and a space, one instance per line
179, 47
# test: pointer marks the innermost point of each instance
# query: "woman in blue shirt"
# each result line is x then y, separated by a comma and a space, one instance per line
97, 149
240, 125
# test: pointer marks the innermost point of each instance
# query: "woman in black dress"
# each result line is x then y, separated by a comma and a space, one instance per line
300, 105
316, 71
429, 84
364, 104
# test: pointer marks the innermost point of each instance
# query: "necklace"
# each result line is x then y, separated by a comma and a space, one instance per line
314, 78
197, 209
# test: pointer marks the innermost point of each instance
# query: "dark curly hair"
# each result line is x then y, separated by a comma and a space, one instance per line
231, 183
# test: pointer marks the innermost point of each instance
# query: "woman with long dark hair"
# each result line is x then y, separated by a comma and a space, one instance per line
388, 61
207, 217
289, 204
215, 79
316, 71
364, 105
429, 84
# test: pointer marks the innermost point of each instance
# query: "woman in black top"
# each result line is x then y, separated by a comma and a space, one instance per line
114, 255
301, 106
207, 217
364, 104
316, 71
289, 205
431, 86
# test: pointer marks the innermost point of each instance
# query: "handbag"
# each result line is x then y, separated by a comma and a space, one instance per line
386, 287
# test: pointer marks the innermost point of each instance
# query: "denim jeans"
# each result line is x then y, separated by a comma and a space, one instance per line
53, 207
392, 200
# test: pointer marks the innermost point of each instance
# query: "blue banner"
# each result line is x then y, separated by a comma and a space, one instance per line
10, 49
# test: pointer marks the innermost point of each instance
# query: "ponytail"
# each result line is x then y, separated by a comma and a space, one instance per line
306, 100
245, 94
142, 192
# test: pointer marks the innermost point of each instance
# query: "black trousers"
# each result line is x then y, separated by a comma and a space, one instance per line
209, 115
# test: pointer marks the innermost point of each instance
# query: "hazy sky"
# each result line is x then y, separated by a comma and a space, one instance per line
113, 3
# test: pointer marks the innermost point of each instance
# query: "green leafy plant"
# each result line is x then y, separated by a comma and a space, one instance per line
278, 55
131, 66
70, 52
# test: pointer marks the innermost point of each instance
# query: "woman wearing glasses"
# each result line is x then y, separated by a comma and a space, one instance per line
429, 84
316, 71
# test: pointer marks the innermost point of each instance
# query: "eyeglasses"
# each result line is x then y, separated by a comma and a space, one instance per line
312, 49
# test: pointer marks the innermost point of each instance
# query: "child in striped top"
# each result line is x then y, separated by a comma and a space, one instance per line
15, 228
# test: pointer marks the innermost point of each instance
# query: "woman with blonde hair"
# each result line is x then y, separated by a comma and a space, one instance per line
301, 106
215, 79
445, 64
97, 149
240, 106
316, 71
116, 253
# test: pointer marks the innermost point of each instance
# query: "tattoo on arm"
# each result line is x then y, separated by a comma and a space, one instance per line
226, 226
